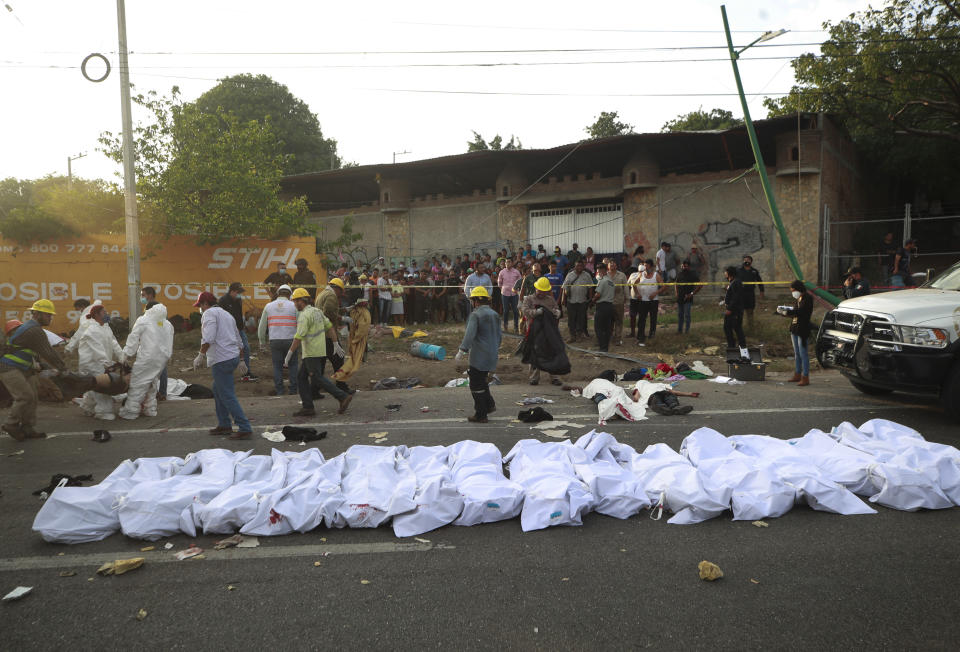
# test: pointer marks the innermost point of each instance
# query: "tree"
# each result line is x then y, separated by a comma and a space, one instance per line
258, 97
209, 175
701, 120
608, 124
892, 75
52, 207
478, 144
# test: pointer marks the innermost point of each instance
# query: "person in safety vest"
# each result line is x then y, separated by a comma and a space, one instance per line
481, 341
18, 363
98, 350
278, 323
151, 340
314, 330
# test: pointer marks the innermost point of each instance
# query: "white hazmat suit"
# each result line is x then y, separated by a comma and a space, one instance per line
151, 340
98, 350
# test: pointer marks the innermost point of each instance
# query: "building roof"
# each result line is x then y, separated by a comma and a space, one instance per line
684, 152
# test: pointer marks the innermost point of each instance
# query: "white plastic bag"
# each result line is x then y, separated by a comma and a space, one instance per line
553, 494
377, 484
476, 470
618, 493
437, 500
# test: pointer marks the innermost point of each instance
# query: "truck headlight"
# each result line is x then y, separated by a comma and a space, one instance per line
935, 338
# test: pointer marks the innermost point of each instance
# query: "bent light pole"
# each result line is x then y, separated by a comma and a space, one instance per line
758, 159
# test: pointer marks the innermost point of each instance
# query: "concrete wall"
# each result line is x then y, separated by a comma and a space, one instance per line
452, 229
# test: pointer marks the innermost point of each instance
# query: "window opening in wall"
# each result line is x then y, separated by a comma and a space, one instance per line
633, 178
506, 191
386, 198
794, 153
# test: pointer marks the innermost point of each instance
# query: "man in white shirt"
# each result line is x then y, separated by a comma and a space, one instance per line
666, 262
385, 296
220, 346
278, 323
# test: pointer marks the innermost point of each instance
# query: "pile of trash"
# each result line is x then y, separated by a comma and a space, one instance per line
420, 488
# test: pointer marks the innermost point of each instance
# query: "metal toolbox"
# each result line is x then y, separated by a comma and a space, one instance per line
756, 369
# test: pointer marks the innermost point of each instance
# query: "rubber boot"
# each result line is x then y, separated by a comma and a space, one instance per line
804, 381
795, 378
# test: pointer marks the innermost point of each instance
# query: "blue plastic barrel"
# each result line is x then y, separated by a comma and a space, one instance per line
428, 351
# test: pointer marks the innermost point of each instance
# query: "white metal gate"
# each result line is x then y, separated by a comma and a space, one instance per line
600, 227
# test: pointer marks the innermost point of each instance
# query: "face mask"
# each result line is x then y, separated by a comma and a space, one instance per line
143, 300
796, 294
283, 270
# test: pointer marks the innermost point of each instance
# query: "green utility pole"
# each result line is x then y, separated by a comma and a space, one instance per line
759, 164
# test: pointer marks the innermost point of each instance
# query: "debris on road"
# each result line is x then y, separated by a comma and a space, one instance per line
229, 542
457, 382
148, 548
760, 524
167, 546
19, 452
67, 573
120, 566
101, 436
141, 614
364, 581
535, 400
249, 542
556, 434
377, 435
534, 415
17, 593
393, 407
709, 571
231, 587
395, 383
302, 434
421, 540
754, 581
70, 481
192, 551
273, 435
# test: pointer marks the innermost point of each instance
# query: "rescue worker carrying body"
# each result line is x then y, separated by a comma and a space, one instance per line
98, 350
24, 345
151, 340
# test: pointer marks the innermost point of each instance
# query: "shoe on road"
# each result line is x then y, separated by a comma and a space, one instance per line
345, 403
476, 419
556, 381
30, 433
220, 430
240, 434
14, 431
683, 409
304, 412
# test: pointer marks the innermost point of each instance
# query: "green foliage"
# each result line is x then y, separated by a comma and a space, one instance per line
209, 175
44, 209
892, 75
608, 124
260, 98
478, 144
342, 244
701, 120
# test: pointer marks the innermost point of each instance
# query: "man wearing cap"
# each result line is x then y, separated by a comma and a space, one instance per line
26, 343
481, 340
328, 301
536, 304
305, 278
314, 330
278, 324
232, 302
278, 278
855, 285
220, 348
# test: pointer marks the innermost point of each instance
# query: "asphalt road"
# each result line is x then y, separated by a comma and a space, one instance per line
809, 580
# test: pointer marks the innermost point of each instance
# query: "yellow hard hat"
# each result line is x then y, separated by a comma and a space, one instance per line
43, 305
337, 281
300, 293
542, 284
479, 291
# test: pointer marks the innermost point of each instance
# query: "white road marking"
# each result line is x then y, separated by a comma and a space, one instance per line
421, 424
314, 551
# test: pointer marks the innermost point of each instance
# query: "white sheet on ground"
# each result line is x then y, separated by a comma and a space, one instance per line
554, 495
377, 483
476, 469
617, 491
437, 500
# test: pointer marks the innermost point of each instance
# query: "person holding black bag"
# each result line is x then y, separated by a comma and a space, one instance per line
543, 348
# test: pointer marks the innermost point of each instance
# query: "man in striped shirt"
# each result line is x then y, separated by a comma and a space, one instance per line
278, 324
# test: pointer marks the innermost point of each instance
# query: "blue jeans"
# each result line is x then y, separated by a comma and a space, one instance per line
246, 350
311, 372
801, 355
683, 315
278, 351
386, 309
225, 398
510, 307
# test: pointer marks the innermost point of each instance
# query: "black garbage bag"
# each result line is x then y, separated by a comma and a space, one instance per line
637, 373
72, 481
195, 392
300, 433
544, 347
534, 415
609, 374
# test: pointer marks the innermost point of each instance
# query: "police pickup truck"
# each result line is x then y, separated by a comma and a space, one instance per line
906, 341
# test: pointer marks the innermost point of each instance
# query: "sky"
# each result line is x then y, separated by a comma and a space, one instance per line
394, 79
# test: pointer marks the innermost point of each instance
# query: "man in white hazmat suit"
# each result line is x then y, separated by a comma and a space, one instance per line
151, 340
82, 323
98, 349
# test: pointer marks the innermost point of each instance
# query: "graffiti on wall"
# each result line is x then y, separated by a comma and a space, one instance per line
721, 243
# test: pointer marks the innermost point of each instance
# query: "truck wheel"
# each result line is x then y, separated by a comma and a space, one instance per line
870, 389
950, 394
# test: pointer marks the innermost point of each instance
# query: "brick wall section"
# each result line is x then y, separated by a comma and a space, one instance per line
512, 224
798, 201
640, 220
397, 230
